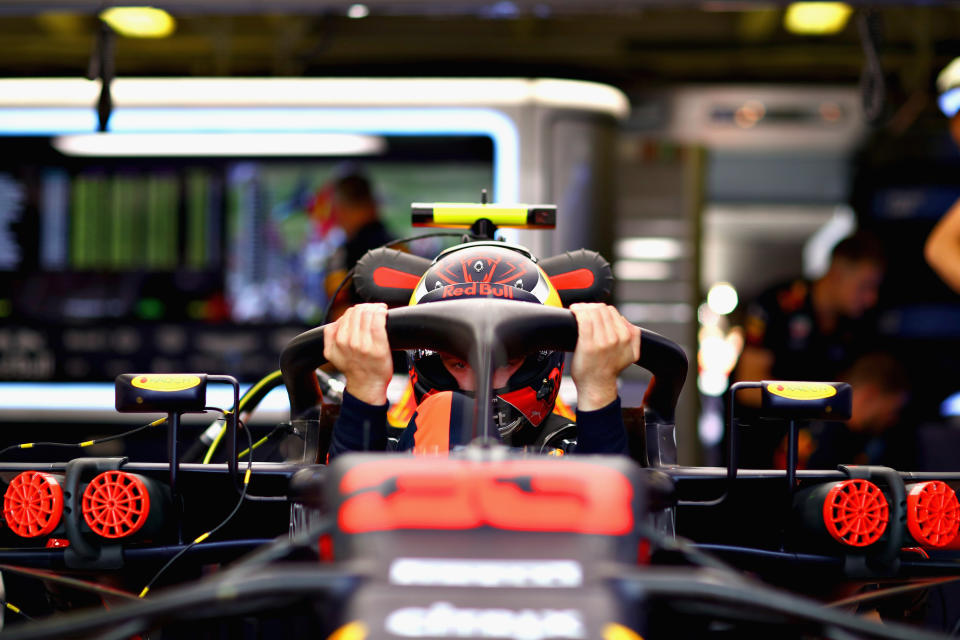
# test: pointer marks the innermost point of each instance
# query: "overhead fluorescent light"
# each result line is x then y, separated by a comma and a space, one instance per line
139, 22
319, 92
218, 144
650, 312
816, 18
421, 121
641, 270
648, 248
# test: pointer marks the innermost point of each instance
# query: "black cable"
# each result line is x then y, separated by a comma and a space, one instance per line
75, 583
281, 547
668, 585
201, 538
943, 608
206, 599
392, 243
880, 594
336, 292
86, 443
17, 611
741, 600
282, 428
687, 549
124, 631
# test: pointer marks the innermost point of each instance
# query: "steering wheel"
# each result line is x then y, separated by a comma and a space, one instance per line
486, 333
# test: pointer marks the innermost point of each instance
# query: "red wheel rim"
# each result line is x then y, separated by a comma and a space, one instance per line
856, 513
933, 513
115, 504
33, 504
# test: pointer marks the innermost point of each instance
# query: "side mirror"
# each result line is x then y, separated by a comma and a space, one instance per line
795, 400
161, 392
790, 400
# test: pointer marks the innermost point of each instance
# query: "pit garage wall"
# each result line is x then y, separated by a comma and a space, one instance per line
610, 184
659, 199
568, 158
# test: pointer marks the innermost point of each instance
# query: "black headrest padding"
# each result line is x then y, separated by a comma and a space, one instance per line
579, 276
387, 275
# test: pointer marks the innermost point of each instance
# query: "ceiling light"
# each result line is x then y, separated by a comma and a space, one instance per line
218, 144
319, 92
816, 18
653, 312
139, 22
358, 11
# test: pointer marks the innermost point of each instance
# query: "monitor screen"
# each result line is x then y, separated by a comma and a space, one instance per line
114, 265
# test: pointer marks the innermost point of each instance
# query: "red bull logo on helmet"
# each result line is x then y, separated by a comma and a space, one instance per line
478, 290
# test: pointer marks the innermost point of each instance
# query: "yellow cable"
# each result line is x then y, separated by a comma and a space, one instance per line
252, 391
267, 379
144, 592
213, 445
13, 608
255, 445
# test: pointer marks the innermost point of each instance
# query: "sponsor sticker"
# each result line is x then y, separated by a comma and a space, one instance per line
478, 289
444, 620
166, 382
469, 572
802, 390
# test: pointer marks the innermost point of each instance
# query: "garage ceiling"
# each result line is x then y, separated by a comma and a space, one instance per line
630, 44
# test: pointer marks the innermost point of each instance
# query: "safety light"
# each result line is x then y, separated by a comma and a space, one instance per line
816, 18
139, 22
722, 298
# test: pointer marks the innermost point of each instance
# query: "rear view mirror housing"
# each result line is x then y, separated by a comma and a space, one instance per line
800, 400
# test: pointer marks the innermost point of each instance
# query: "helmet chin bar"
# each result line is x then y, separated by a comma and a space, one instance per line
508, 419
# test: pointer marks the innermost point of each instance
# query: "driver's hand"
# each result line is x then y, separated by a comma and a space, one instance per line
357, 345
606, 345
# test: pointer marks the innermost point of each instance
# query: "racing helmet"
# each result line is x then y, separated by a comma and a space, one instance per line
492, 269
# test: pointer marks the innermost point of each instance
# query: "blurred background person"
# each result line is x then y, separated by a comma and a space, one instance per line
809, 330
804, 330
942, 248
355, 210
881, 389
